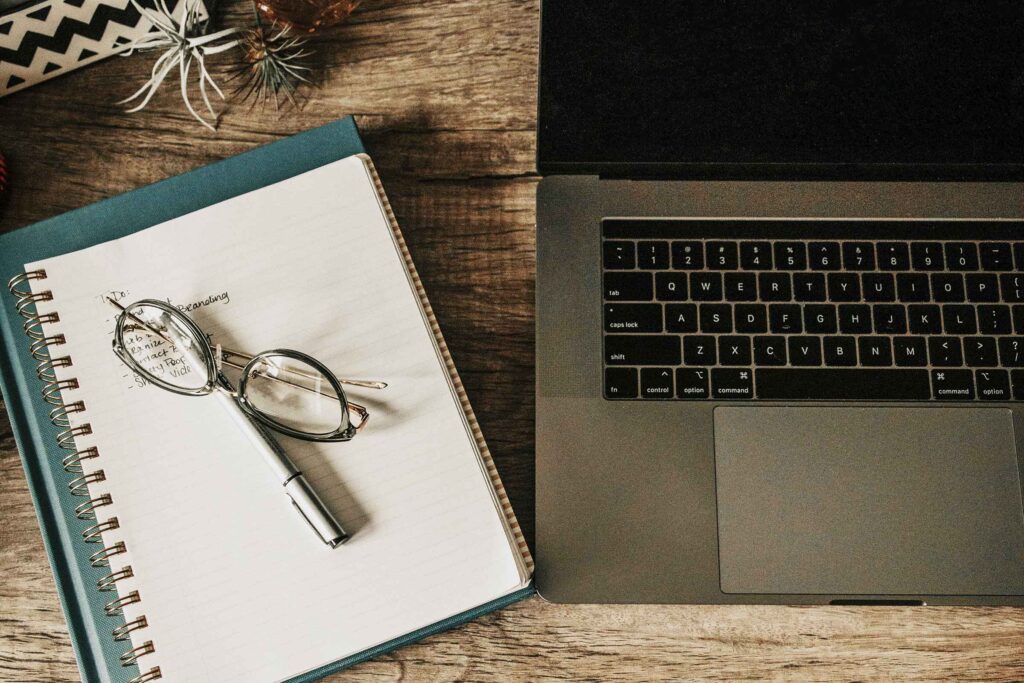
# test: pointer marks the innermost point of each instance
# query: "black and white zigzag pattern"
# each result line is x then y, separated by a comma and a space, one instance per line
46, 39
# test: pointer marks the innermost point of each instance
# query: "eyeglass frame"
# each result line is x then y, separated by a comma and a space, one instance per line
217, 380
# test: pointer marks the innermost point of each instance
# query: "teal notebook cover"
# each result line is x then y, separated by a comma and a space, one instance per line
97, 652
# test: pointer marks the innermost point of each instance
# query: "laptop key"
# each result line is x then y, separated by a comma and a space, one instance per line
879, 287
945, 352
890, 319
671, 286
619, 255
926, 256
620, 383
980, 352
953, 385
628, 287
756, 255
995, 319
910, 352
834, 384
652, 255
1017, 383
646, 349
770, 351
957, 319
875, 352
699, 350
925, 319
722, 256
820, 318
824, 256
753, 318
858, 256
785, 318
912, 287
961, 256
790, 256
982, 287
1012, 286
996, 256
687, 255
706, 286
840, 351
1018, 319
809, 287
715, 318
1011, 352
693, 383
732, 383
681, 318
993, 385
734, 350
855, 319
632, 318
843, 287
804, 351
1018, 255
893, 256
740, 287
775, 287
948, 287
656, 383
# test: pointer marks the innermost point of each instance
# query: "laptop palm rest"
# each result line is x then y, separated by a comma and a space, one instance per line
869, 501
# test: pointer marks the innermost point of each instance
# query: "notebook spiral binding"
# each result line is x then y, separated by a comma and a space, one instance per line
74, 463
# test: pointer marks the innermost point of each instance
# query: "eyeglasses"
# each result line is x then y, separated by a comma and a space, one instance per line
286, 390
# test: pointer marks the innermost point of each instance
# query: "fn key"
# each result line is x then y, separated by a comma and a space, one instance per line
620, 383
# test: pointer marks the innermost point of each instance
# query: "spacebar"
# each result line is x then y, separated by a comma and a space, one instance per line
847, 384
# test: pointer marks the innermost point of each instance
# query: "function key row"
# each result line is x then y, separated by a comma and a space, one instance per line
810, 287
823, 256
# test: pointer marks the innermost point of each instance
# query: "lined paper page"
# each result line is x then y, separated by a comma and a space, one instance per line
234, 585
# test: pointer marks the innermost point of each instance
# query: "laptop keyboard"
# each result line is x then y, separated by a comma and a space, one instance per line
813, 310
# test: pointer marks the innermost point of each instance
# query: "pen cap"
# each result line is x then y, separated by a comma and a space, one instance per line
313, 510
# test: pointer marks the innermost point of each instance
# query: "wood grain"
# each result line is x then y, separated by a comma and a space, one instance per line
444, 92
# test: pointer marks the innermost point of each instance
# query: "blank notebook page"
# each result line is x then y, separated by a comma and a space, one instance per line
233, 583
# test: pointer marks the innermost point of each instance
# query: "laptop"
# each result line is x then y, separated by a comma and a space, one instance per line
780, 302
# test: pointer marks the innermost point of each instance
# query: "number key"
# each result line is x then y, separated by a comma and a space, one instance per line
755, 255
961, 256
790, 256
858, 256
722, 256
652, 255
825, 255
687, 256
893, 256
926, 255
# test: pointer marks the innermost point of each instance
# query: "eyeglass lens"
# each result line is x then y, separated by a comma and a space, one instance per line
294, 394
164, 348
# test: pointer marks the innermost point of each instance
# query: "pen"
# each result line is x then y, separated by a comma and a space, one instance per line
295, 486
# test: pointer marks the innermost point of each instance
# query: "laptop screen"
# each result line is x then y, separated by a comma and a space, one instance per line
629, 85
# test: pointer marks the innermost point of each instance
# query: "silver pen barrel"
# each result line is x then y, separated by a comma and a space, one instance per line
303, 498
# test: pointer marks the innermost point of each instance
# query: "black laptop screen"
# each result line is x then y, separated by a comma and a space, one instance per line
631, 83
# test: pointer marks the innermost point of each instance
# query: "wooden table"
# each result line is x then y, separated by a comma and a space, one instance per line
444, 92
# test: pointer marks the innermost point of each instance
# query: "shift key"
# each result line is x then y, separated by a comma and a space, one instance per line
632, 318
647, 349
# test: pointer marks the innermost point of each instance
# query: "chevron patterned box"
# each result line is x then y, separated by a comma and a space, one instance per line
41, 39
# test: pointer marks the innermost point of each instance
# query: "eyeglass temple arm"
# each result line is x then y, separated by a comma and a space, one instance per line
366, 384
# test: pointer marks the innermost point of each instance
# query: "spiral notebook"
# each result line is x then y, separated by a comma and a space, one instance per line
204, 571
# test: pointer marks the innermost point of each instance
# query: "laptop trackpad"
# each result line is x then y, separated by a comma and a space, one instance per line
869, 501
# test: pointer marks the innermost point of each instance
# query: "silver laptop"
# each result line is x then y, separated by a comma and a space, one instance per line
780, 302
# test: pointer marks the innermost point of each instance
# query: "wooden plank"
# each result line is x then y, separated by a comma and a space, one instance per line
445, 95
